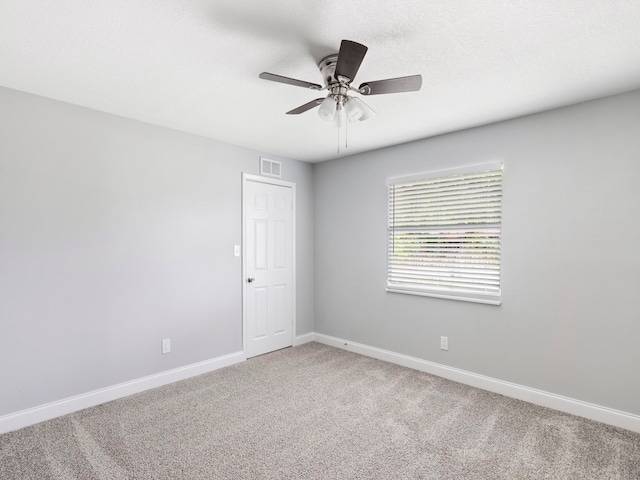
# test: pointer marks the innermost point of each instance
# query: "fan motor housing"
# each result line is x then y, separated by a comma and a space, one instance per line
327, 68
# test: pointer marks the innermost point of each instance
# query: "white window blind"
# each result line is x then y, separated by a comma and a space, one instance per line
444, 234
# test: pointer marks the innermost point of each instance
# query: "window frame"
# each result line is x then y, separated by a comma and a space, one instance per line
491, 230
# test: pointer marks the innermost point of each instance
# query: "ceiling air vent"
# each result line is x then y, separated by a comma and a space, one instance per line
270, 167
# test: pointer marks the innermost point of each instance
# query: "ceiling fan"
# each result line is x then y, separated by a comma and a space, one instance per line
338, 71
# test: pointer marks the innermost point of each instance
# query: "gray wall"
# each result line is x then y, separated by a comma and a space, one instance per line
115, 234
569, 322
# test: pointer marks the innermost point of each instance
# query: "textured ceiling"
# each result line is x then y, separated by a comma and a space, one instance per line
193, 65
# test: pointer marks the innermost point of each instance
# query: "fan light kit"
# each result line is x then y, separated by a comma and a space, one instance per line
338, 71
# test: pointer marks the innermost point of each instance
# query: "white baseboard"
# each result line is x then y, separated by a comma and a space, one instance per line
598, 413
591, 411
24, 418
301, 339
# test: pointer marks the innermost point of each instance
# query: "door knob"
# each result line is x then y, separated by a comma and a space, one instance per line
251, 280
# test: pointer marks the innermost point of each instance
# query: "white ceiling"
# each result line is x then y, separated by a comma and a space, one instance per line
193, 65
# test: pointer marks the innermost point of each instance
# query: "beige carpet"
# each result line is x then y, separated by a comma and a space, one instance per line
318, 412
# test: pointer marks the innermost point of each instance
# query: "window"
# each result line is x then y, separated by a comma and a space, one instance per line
444, 234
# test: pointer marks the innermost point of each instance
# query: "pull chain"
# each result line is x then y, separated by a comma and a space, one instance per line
346, 135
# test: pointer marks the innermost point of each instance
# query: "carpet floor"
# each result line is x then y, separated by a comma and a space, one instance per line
317, 412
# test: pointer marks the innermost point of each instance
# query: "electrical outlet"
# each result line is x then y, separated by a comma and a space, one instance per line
444, 343
166, 345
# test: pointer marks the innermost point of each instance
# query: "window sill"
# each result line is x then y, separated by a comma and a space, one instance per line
488, 300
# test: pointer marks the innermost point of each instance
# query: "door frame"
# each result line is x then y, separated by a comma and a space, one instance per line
248, 177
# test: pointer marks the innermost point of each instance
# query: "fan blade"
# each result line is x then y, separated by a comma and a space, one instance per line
350, 58
392, 85
305, 107
291, 81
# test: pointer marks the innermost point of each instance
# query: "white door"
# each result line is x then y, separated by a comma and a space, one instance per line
268, 264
